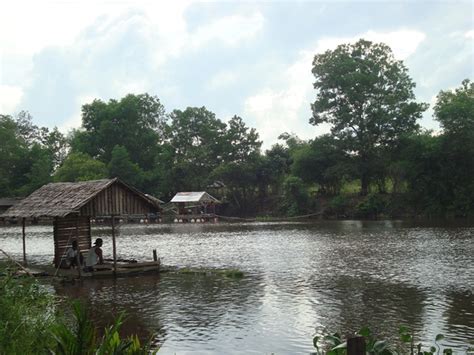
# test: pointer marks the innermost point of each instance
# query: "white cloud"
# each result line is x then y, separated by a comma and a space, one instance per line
403, 42
469, 34
288, 110
230, 30
10, 97
222, 79
75, 120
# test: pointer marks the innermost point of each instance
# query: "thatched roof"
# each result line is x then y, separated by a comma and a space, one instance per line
9, 201
195, 196
63, 198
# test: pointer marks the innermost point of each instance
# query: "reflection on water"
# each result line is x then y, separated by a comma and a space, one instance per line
299, 279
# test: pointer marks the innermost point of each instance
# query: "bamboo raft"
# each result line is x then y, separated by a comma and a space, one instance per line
107, 270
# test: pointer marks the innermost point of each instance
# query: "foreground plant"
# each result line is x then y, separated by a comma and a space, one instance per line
337, 346
81, 338
31, 322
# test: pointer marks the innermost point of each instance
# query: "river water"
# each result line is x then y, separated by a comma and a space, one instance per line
300, 279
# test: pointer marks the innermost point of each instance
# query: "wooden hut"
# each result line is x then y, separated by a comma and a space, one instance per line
196, 206
71, 205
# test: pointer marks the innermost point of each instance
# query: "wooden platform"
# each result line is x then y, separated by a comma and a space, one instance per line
105, 270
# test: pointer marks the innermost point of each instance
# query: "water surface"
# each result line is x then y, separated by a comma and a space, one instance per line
300, 279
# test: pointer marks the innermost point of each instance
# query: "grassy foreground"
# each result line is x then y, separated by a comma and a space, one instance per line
33, 322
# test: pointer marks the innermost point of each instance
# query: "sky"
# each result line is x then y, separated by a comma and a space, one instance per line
251, 59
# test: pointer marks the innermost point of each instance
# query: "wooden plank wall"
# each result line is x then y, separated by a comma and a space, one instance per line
66, 230
116, 200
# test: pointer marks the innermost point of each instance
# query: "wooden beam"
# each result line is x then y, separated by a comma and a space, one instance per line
356, 346
24, 240
114, 246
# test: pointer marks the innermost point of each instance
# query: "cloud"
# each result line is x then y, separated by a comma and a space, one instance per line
229, 30
222, 79
288, 109
469, 34
403, 42
10, 97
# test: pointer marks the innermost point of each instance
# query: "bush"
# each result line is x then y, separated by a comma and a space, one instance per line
32, 323
371, 206
27, 315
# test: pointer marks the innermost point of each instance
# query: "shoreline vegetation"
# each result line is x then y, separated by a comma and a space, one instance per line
376, 162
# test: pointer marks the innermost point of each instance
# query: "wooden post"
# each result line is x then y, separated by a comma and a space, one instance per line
114, 247
78, 259
24, 240
155, 257
356, 346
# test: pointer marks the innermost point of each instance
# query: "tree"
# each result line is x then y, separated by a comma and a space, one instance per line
136, 122
241, 142
367, 97
198, 140
80, 167
455, 109
13, 152
122, 167
323, 162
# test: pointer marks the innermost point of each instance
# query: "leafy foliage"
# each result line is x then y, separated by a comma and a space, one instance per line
336, 345
80, 167
367, 97
33, 322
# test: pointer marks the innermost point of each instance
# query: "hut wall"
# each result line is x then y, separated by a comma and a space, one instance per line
66, 230
116, 200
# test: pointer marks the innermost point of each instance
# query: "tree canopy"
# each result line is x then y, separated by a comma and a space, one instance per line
367, 97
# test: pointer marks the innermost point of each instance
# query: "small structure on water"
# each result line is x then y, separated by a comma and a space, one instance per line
196, 206
71, 205
6, 203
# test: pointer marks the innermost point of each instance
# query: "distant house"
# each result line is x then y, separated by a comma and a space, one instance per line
6, 203
196, 206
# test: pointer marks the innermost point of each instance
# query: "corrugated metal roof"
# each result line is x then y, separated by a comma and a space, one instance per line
194, 196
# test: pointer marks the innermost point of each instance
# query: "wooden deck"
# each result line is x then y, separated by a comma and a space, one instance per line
101, 271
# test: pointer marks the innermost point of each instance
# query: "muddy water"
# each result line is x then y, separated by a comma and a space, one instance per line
300, 279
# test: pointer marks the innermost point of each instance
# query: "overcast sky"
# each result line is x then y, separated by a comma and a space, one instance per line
244, 58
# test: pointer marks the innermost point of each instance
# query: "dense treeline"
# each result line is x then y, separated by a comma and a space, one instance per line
376, 160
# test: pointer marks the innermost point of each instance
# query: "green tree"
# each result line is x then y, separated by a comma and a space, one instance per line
14, 151
241, 142
198, 140
296, 197
136, 122
455, 109
323, 162
80, 167
367, 97
122, 167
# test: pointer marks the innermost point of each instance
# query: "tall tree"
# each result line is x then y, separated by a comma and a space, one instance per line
455, 111
323, 162
367, 97
122, 167
241, 141
80, 167
198, 139
135, 122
